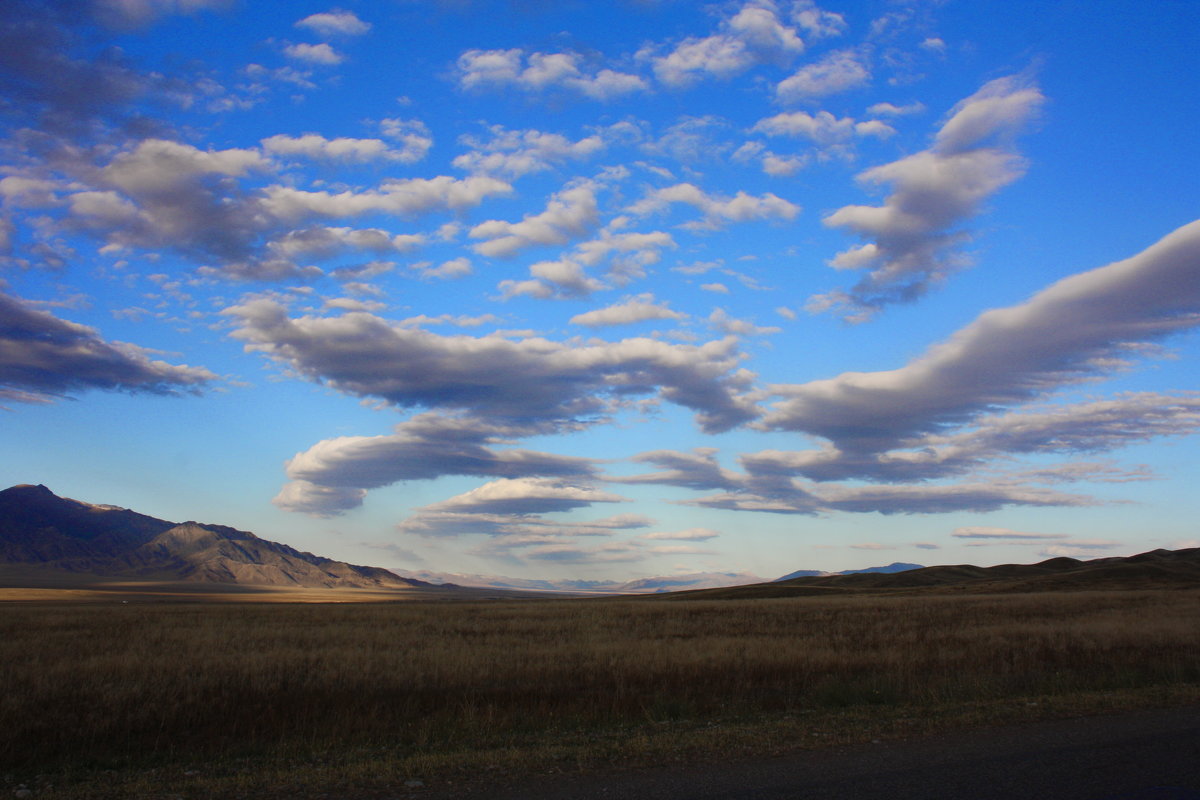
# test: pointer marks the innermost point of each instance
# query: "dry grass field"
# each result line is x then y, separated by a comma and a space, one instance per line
226, 699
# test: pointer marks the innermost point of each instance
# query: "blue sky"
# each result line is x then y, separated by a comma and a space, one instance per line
609, 289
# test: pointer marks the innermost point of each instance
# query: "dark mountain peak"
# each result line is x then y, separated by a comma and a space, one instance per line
39, 527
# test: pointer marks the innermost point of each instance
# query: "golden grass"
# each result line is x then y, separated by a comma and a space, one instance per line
436, 686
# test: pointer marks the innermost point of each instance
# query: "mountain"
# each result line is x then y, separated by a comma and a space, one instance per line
669, 583
1153, 570
895, 566
37, 527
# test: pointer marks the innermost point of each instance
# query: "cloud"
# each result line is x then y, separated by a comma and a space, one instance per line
822, 128
524, 496
334, 23
984, 532
795, 498
569, 213
515, 153
893, 110
1082, 326
518, 381
912, 234
321, 54
1079, 548
43, 356
717, 211
697, 469
413, 135
688, 535
325, 242
627, 312
1070, 429
754, 35
403, 197
837, 72
139, 13
426, 447
538, 72
343, 148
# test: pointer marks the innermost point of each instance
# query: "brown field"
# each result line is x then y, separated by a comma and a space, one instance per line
220, 699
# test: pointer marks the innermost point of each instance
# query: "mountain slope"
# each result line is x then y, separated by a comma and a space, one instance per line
1152, 570
37, 527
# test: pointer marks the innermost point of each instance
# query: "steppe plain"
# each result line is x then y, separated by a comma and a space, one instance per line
139, 690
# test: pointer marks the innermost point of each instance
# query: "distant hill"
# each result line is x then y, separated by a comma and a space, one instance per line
668, 583
39, 528
1152, 570
895, 566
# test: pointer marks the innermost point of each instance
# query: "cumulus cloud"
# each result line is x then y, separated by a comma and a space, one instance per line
321, 53
627, 312
569, 214
44, 357
324, 242
755, 34
312, 145
513, 153
520, 381
717, 211
407, 197
912, 235
822, 128
337, 22
538, 72
837, 72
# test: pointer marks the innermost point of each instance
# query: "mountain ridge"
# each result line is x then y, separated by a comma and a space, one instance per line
37, 527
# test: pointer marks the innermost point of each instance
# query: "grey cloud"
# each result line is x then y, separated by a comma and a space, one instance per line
525, 496
42, 356
1084, 325
695, 470
1071, 429
525, 381
912, 499
913, 234
423, 448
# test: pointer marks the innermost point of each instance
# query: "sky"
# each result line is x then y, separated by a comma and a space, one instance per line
609, 290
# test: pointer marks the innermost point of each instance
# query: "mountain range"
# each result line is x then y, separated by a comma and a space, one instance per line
651, 585
40, 529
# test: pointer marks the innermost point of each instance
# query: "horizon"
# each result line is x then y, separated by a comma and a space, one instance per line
568, 292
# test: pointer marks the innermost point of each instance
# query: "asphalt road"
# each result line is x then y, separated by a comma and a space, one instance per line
1145, 755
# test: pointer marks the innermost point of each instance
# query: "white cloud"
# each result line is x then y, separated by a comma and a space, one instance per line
342, 148
570, 213
402, 197
513, 153
313, 54
837, 72
753, 35
717, 211
334, 23
484, 69
627, 312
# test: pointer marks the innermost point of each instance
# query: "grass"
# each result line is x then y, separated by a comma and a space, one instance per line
249, 697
